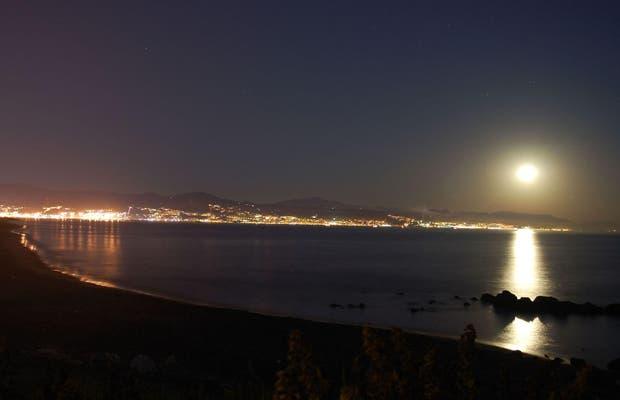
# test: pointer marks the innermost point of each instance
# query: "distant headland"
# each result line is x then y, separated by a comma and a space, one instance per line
23, 201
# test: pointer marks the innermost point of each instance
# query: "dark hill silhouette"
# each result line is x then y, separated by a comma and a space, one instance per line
31, 196
507, 217
35, 197
314, 203
309, 206
196, 201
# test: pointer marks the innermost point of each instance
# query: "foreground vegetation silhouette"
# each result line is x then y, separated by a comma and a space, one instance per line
388, 367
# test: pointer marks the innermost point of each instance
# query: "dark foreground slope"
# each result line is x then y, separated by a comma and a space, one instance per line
61, 338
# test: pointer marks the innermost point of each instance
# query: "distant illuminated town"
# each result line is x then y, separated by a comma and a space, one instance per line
218, 214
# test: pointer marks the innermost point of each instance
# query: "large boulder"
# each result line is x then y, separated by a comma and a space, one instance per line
545, 304
505, 300
524, 304
487, 298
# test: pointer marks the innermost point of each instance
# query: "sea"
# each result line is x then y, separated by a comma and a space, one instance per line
325, 273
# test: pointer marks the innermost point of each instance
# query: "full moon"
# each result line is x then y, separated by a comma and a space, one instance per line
527, 173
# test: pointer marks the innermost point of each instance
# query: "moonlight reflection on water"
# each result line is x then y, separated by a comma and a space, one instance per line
526, 336
526, 276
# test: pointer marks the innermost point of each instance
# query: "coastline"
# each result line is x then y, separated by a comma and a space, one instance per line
45, 309
59, 273
31, 245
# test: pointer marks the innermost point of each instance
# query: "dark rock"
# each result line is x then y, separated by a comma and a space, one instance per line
416, 309
545, 303
505, 300
567, 307
588, 308
487, 298
613, 309
614, 365
466, 304
432, 302
558, 360
577, 362
400, 293
524, 304
551, 305
457, 297
360, 306
473, 298
336, 305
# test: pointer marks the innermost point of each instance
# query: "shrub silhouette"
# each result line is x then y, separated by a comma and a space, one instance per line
384, 370
466, 379
301, 379
403, 361
379, 378
429, 376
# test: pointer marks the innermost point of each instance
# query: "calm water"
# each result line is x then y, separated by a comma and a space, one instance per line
299, 271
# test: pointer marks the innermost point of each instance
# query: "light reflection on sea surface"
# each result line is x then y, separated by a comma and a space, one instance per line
525, 269
525, 277
300, 271
526, 336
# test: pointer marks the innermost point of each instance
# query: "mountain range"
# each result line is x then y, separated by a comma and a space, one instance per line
36, 197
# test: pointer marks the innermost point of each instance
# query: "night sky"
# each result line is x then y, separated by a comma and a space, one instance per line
413, 106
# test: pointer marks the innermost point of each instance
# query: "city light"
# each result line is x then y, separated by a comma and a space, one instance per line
218, 214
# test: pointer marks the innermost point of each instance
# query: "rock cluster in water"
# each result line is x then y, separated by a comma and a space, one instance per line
507, 301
